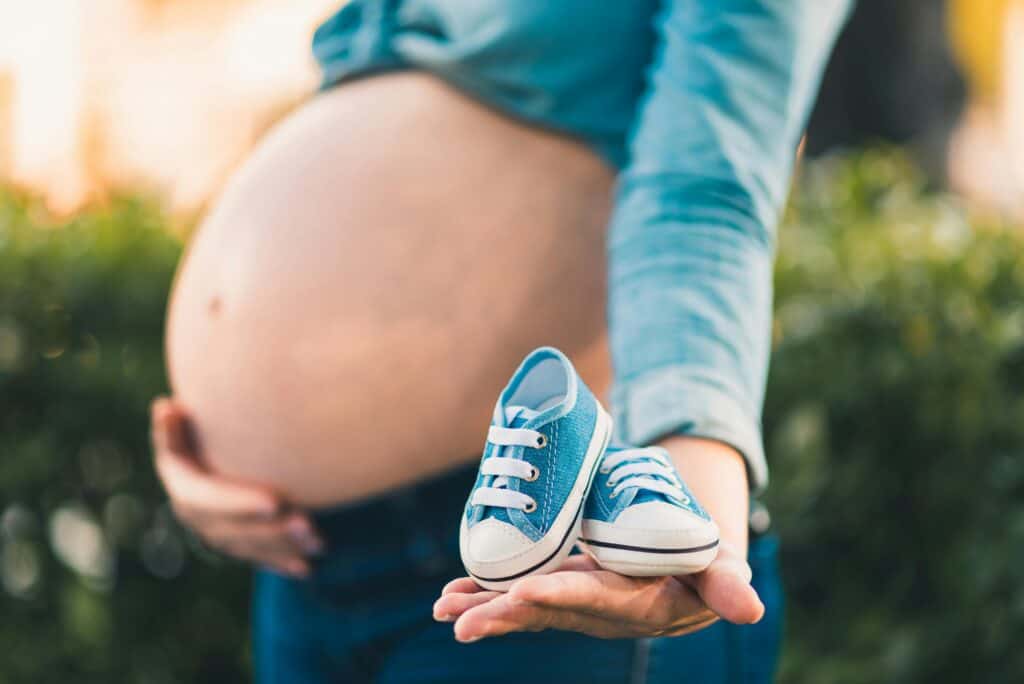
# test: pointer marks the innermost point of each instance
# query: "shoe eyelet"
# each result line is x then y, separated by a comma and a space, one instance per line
603, 470
613, 495
542, 441
610, 483
530, 507
534, 474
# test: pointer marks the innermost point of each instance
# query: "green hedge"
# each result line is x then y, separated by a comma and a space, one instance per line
894, 421
98, 583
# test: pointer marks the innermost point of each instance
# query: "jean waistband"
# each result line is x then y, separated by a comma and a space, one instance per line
409, 532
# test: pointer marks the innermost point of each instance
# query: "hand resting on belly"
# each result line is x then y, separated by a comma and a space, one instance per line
347, 313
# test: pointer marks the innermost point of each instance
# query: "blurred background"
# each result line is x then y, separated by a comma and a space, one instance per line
897, 486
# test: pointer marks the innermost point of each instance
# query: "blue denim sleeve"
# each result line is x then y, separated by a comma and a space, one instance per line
692, 237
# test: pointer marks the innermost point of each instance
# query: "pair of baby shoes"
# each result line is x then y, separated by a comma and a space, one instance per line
549, 479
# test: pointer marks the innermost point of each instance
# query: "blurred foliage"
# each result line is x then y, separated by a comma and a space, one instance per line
98, 585
895, 420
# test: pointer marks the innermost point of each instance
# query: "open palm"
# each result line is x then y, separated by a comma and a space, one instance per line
581, 597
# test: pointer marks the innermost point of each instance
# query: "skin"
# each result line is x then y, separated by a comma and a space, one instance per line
378, 267
255, 524
581, 597
361, 260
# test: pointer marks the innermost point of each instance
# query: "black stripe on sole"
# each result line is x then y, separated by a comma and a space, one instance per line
626, 547
561, 545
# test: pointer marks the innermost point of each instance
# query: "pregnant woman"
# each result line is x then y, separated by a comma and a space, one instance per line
478, 179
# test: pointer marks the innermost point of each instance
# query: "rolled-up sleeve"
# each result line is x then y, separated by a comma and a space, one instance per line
692, 237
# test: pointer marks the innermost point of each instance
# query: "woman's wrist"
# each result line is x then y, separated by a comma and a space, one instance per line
717, 475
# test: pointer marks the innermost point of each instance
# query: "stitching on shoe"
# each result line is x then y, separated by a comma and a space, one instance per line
601, 503
551, 471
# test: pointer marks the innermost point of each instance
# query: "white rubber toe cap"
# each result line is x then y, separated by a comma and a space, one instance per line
492, 540
658, 515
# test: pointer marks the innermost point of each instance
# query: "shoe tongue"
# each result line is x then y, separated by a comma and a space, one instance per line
517, 416
645, 495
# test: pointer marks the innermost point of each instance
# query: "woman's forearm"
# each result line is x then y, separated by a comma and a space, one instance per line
693, 233
717, 475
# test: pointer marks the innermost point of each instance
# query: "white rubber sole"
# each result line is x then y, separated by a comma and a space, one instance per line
650, 553
553, 548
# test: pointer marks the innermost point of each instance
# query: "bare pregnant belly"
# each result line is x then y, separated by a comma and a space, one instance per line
346, 316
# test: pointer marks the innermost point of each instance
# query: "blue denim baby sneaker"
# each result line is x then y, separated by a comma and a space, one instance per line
543, 448
641, 520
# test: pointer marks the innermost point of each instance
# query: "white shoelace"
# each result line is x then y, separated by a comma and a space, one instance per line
497, 494
646, 468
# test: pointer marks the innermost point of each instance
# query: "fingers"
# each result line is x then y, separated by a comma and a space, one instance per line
580, 561
192, 489
463, 593
291, 536
283, 544
169, 426
490, 614
581, 590
654, 604
244, 521
197, 493
282, 558
287, 565
462, 585
298, 568
505, 614
725, 588
451, 606
303, 535
602, 603
690, 626
272, 543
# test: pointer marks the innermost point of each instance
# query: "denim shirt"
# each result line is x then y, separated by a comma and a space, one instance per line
693, 233
700, 104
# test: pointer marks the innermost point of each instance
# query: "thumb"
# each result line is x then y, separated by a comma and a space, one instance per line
725, 588
170, 428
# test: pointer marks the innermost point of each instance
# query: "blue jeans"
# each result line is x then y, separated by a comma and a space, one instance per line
365, 615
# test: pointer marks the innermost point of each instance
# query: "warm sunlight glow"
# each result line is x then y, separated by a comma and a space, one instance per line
168, 95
